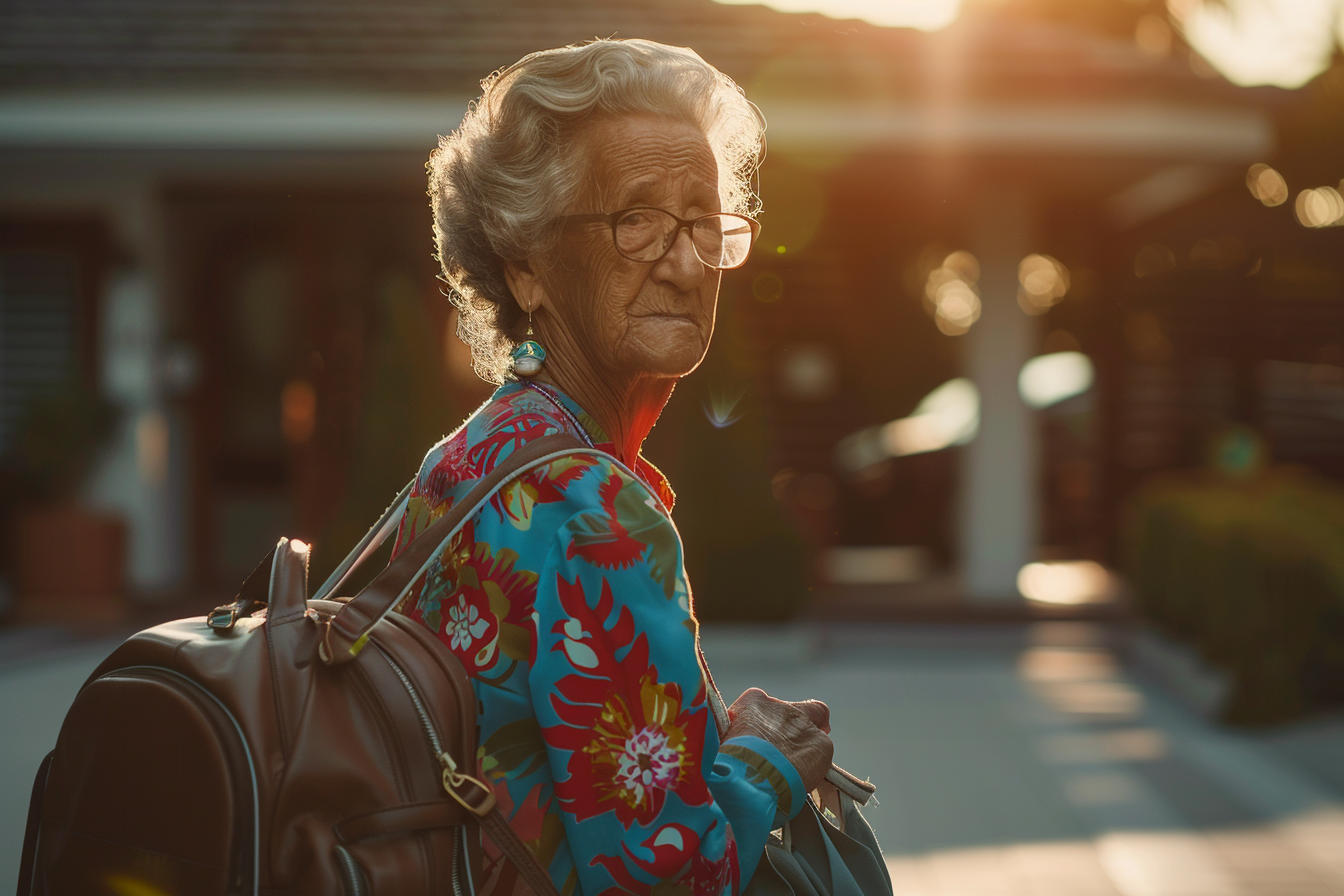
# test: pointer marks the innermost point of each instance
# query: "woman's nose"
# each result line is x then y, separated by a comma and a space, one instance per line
681, 266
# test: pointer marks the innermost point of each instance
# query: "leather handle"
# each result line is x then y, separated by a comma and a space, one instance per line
516, 851
345, 634
287, 590
403, 819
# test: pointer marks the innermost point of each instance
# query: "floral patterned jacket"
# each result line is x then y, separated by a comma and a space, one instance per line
566, 600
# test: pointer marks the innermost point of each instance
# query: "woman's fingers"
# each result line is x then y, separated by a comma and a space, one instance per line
799, 730
758, 703
818, 712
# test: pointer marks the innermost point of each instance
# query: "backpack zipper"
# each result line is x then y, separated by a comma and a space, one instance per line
436, 745
426, 724
352, 876
246, 750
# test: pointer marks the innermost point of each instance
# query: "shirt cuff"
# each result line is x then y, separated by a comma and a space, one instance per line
768, 763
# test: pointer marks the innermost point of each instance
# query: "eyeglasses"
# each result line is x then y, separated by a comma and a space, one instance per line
722, 241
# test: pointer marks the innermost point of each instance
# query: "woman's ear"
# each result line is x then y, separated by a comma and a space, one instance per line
525, 284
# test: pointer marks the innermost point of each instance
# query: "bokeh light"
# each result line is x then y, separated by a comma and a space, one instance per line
1320, 207
1065, 582
1266, 184
947, 416
1043, 282
808, 373
1049, 379
298, 411
950, 294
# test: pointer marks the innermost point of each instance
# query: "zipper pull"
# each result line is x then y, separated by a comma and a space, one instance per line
478, 801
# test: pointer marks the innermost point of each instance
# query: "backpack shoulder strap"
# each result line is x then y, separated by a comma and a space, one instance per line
346, 633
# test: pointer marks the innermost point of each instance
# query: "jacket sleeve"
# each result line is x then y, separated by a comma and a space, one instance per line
647, 792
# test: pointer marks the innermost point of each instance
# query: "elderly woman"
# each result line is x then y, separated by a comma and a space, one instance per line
584, 212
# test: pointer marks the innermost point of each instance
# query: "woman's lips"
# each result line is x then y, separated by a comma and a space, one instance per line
667, 315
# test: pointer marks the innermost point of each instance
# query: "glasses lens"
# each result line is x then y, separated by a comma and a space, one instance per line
642, 233
722, 241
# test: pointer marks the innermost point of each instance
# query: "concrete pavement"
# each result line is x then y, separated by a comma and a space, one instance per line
35, 692
1025, 761
1009, 760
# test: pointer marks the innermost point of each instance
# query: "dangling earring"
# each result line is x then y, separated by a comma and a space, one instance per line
528, 357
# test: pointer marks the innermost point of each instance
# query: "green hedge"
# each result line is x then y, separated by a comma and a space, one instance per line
1252, 574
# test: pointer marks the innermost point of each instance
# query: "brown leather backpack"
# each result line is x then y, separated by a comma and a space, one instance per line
321, 746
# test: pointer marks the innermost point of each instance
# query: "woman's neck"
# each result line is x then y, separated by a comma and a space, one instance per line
625, 408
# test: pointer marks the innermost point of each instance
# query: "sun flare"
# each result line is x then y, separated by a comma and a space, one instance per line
926, 15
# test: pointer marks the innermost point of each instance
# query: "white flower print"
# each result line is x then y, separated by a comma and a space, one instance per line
647, 761
464, 624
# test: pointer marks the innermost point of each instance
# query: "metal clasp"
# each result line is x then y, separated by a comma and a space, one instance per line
223, 619
453, 779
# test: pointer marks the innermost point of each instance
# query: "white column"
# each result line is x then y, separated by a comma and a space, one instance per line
143, 475
999, 489
132, 477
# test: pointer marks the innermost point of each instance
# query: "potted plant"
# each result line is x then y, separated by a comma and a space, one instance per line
69, 560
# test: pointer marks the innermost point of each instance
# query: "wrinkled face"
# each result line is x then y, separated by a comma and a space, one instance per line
639, 318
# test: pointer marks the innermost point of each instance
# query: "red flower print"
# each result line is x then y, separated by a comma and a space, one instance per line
712, 877
665, 856
556, 476
672, 855
630, 736
448, 470
602, 538
522, 429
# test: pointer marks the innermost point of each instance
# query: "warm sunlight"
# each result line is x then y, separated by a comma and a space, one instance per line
1281, 42
926, 15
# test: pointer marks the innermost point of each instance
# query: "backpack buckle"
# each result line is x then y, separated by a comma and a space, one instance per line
222, 619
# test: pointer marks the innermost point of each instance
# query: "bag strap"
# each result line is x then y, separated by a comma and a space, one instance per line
372, 540
346, 633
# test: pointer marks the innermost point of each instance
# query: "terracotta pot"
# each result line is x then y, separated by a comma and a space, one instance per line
70, 564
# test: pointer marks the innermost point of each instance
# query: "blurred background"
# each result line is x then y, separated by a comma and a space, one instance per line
1021, 439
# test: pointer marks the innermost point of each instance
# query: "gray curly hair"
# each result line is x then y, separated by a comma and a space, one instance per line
499, 181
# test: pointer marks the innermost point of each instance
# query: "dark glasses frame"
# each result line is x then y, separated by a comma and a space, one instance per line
687, 224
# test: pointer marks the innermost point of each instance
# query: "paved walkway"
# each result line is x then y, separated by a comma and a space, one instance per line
1009, 760
35, 692
1024, 762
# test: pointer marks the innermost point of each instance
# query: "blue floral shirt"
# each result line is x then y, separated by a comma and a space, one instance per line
565, 599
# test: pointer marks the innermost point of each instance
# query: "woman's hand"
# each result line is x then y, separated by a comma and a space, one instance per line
798, 730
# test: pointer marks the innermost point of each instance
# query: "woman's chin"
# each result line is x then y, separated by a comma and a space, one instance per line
674, 356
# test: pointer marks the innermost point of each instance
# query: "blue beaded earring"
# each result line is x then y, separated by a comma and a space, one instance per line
529, 356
